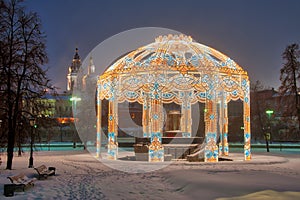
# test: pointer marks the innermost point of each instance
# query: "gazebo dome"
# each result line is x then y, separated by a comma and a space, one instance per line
174, 53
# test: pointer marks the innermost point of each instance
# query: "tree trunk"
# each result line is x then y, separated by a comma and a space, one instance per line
10, 148
298, 110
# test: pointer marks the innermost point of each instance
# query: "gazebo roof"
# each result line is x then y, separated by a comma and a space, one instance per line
174, 53
169, 66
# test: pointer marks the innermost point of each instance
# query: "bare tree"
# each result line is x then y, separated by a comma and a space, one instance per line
290, 77
22, 55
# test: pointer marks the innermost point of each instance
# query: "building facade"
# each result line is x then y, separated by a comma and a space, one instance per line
59, 107
274, 113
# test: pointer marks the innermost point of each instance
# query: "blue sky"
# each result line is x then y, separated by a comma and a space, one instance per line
253, 33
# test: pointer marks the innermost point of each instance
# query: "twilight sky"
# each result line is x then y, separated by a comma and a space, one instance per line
253, 33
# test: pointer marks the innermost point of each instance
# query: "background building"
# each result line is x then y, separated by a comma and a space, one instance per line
56, 122
271, 113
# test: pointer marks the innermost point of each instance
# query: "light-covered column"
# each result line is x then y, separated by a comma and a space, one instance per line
156, 150
186, 118
225, 130
223, 123
112, 128
247, 131
146, 116
99, 118
211, 148
246, 118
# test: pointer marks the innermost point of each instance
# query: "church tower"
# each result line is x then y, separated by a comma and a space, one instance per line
87, 79
73, 71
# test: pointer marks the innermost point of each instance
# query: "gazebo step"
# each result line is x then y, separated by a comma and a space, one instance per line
179, 151
173, 140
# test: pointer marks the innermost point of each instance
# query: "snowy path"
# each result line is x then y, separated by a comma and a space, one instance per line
82, 177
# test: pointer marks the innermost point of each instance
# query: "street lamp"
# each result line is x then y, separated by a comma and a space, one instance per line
268, 135
19, 142
32, 125
61, 125
269, 113
0, 124
74, 100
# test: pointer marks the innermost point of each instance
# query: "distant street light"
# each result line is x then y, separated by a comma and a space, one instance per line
0, 124
61, 125
32, 125
74, 100
268, 135
269, 113
74, 104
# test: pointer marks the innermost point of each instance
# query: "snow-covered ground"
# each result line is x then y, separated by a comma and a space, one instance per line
80, 176
271, 177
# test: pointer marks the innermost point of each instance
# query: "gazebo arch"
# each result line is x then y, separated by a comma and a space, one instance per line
179, 70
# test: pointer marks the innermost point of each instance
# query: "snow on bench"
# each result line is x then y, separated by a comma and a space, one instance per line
43, 172
21, 181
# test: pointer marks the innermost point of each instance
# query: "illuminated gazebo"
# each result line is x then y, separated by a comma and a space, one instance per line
175, 69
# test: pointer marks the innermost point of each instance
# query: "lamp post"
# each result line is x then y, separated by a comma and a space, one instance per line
61, 125
269, 113
74, 104
74, 100
19, 141
0, 125
268, 135
32, 124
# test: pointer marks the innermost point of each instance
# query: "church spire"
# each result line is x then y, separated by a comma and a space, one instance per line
73, 70
76, 56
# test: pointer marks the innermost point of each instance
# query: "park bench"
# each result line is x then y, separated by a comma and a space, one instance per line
44, 172
20, 181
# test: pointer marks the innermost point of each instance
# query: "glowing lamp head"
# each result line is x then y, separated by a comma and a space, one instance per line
75, 99
269, 112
